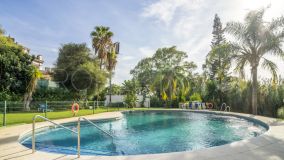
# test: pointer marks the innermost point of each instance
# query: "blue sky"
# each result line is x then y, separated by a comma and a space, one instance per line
140, 26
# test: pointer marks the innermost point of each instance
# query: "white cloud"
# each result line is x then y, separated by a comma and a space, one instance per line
189, 22
146, 51
125, 58
165, 10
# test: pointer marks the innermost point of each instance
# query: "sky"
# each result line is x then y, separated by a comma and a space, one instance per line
141, 27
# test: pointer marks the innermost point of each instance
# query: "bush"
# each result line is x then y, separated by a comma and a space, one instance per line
280, 113
7, 96
116, 104
52, 94
155, 102
195, 97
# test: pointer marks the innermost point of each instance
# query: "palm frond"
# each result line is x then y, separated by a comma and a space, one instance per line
236, 29
271, 66
276, 23
241, 62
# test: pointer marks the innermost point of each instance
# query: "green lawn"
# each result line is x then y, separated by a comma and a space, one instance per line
22, 118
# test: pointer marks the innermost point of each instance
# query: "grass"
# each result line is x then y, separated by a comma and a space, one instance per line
23, 118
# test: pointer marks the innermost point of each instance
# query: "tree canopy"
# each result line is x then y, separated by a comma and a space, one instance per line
166, 74
77, 71
15, 67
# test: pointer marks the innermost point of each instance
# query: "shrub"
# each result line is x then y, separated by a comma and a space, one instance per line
8, 96
116, 104
155, 102
280, 112
195, 97
52, 94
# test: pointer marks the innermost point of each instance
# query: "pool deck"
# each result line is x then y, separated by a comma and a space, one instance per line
268, 146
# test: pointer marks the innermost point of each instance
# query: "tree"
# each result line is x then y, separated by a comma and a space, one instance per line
143, 73
77, 71
222, 55
218, 32
254, 39
98, 78
218, 61
111, 63
35, 75
15, 69
116, 89
166, 74
218, 38
130, 89
105, 49
101, 40
172, 84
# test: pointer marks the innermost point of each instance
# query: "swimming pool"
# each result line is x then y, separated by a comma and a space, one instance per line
149, 132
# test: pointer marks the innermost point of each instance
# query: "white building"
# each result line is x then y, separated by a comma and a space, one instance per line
120, 98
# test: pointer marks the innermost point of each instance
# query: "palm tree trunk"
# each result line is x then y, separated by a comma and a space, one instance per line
110, 88
101, 64
27, 101
254, 90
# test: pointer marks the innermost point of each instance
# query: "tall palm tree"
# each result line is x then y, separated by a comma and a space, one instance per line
34, 76
111, 63
101, 41
253, 40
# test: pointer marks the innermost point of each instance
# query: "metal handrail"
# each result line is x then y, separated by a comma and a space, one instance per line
46, 119
96, 126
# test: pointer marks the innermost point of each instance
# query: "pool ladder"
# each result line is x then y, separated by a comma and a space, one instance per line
76, 132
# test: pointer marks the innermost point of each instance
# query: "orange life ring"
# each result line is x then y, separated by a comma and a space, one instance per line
75, 107
209, 105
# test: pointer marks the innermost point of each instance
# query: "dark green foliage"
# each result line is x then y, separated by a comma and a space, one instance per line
218, 32
52, 94
116, 104
218, 63
156, 102
15, 68
130, 88
239, 96
280, 113
78, 72
167, 74
116, 89
213, 62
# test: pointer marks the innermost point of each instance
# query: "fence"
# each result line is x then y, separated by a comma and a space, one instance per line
14, 112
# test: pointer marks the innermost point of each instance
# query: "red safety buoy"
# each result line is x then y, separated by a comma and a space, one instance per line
75, 108
209, 105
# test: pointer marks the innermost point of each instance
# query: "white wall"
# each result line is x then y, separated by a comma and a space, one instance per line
120, 98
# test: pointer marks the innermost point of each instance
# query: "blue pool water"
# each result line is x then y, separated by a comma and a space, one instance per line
147, 133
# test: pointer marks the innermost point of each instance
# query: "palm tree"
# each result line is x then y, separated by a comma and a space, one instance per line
253, 40
111, 63
102, 43
34, 76
101, 40
171, 83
